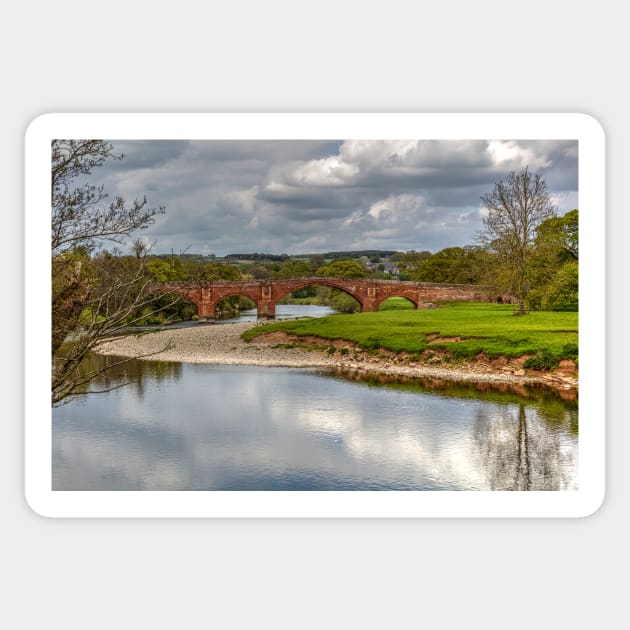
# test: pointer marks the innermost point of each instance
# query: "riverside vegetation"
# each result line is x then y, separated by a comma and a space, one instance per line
456, 331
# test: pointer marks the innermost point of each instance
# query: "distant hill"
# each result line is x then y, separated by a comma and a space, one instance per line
370, 253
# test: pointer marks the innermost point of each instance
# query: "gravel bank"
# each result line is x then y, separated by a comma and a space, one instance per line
217, 344
222, 344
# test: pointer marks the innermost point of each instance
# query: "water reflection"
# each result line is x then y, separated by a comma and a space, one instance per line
199, 427
118, 371
522, 442
520, 451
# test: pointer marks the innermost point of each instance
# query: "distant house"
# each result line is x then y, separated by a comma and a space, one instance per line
392, 269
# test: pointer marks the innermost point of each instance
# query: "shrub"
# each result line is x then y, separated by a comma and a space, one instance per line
544, 360
570, 351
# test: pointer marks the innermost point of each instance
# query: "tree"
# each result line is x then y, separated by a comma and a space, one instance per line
343, 269
78, 218
200, 271
139, 248
559, 236
555, 263
93, 296
411, 263
292, 268
516, 207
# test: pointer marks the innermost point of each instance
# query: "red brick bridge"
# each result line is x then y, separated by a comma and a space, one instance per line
369, 293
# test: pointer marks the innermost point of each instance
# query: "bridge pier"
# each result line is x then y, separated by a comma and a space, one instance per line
207, 310
206, 305
266, 309
370, 303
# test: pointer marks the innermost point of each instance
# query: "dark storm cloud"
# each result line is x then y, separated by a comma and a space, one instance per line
301, 195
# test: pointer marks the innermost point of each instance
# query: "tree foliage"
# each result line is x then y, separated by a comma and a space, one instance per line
554, 263
197, 271
343, 269
410, 263
293, 268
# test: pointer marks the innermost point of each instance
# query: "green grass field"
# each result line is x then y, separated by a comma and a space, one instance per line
489, 328
396, 304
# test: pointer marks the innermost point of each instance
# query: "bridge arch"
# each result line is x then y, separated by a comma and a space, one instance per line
322, 282
234, 294
413, 300
192, 295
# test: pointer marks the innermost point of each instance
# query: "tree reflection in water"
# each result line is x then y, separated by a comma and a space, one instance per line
525, 442
129, 373
521, 450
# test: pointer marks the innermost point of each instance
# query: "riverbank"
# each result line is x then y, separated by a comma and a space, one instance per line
222, 344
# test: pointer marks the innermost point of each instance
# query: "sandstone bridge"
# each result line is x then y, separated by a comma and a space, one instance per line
369, 293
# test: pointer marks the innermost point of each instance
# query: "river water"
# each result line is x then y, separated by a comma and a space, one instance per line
283, 311
201, 427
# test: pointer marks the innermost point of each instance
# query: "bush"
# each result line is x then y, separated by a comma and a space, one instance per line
570, 351
535, 300
544, 360
343, 302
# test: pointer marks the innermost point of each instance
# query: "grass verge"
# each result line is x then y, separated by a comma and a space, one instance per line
463, 329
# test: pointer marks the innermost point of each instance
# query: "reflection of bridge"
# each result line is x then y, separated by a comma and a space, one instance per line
369, 293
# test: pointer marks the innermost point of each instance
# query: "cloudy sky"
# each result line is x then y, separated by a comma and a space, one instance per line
296, 196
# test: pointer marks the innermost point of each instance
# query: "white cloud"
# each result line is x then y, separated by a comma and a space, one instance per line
510, 154
396, 206
565, 200
288, 196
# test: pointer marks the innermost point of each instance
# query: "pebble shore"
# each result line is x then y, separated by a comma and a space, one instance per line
221, 344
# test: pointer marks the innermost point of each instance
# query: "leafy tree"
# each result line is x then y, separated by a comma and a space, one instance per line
292, 268
410, 263
559, 236
257, 271
200, 271
343, 302
554, 271
458, 265
316, 261
161, 271
343, 269
516, 207
92, 297
441, 266
563, 289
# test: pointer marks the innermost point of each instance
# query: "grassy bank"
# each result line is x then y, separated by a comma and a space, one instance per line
463, 329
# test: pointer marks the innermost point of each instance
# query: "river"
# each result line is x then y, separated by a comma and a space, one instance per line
283, 311
179, 426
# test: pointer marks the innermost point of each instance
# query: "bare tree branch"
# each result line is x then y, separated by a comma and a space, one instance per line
93, 296
516, 207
